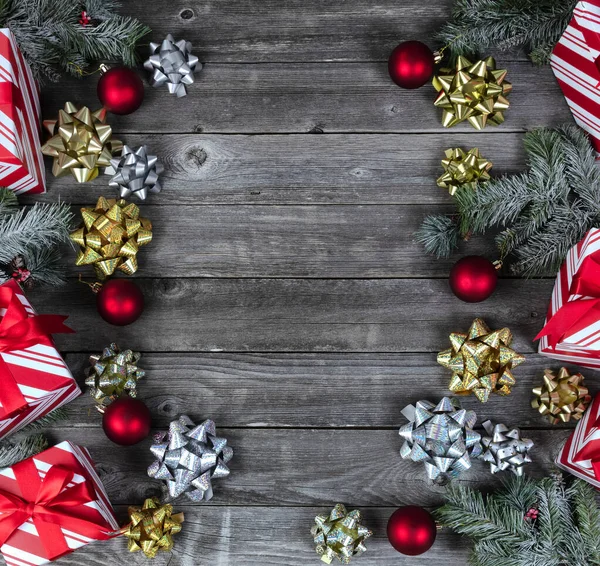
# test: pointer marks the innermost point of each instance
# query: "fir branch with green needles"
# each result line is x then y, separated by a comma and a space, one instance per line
566, 530
540, 213
480, 25
53, 41
34, 233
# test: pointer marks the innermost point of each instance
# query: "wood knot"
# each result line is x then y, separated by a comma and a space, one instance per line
197, 156
186, 14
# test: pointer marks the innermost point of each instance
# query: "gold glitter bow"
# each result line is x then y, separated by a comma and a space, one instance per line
481, 361
113, 373
339, 535
463, 170
110, 236
561, 397
80, 143
152, 527
472, 91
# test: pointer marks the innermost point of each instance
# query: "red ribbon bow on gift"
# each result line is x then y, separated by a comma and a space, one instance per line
51, 504
18, 331
578, 314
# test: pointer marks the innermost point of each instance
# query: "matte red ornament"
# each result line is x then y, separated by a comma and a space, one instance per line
126, 421
473, 278
120, 302
120, 90
411, 64
411, 530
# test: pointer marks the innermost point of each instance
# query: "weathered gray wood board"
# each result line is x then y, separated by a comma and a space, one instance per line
311, 98
285, 296
298, 315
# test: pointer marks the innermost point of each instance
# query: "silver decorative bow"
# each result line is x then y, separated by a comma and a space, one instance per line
189, 457
173, 64
505, 449
441, 437
135, 172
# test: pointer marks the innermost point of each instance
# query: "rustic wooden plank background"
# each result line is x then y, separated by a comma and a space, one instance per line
286, 298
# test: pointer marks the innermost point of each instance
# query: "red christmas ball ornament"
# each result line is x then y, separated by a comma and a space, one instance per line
126, 421
120, 90
411, 530
120, 302
473, 278
411, 64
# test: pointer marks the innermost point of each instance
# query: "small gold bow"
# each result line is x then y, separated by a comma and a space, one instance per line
463, 170
561, 397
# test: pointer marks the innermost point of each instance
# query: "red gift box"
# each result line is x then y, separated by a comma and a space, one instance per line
52, 504
581, 453
34, 378
21, 160
572, 328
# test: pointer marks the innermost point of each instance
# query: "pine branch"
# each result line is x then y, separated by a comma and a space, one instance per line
8, 202
480, 25
57, 416
12, 452
439, 235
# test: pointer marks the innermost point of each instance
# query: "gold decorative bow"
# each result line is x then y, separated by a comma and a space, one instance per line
80, 143
472, 91
152, 527
110, 237
481, 361
339, 535
112, 374
561, 397
463, 170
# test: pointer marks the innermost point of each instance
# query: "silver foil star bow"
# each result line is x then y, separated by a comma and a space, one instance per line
135, 172
505, 449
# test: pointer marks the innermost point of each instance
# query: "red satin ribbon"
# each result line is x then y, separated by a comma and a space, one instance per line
18, 331
50, 505
576, 315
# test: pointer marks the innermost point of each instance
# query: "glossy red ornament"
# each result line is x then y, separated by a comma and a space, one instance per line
411, 530
120, 302
126, 421
120, 90
411, 64
473, 278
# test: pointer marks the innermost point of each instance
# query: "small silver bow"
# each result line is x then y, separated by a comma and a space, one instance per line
135, 172
189, 457
173, 64
505, 449
441, 437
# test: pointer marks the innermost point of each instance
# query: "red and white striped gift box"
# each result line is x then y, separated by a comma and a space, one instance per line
574, 64
580, 344
581, 454
42, 377
21, 160
24, 547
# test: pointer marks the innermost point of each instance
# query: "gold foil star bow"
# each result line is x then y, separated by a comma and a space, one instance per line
472, 91
111, 236
561, 397
463, 170
152, 527
339, 535
81, 142
481, 361
113, 373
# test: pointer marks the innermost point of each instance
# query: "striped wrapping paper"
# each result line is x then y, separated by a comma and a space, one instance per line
581, 454
21, 160
42, 375
583, 346
24, 548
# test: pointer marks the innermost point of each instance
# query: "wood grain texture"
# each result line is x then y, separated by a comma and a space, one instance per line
310, 390
289, 241
297, 315
327, 169
300, 466
264, 536
312, 98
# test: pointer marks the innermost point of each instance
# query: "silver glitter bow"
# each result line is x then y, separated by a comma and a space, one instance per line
441, 437
189, 457
135, 172
505, 449
173, 64
112, 374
